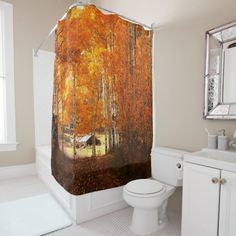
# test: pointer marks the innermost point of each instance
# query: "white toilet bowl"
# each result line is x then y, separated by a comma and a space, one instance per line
149, 199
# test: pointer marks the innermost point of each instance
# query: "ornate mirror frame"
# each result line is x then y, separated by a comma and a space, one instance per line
217, 41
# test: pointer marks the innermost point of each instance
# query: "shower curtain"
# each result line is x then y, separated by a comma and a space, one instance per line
102, 101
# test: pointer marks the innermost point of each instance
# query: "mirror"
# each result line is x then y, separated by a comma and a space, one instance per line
220, 74
229, 92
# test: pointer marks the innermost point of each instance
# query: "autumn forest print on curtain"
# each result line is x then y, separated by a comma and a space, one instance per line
102, 101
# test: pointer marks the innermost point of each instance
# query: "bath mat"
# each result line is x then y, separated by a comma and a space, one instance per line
32, 216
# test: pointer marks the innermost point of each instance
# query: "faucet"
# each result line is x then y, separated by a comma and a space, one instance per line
222, 132
233, 142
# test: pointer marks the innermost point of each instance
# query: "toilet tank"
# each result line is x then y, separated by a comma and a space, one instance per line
167, 166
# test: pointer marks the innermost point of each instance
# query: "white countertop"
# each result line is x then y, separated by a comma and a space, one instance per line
224, 160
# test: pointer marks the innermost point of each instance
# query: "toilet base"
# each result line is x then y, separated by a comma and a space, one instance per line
145, 221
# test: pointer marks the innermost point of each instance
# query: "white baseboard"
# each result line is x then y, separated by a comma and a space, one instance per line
10, 172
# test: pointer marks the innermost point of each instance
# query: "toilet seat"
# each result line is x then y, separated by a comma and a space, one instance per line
144, 187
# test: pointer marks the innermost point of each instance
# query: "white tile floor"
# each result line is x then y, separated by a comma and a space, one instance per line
115, 224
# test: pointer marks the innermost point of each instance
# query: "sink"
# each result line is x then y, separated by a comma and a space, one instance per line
228, 156
225, 160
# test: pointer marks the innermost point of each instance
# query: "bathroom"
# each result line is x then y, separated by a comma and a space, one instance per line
179, 122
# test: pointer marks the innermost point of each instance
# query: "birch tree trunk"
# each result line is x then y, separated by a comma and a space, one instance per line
105, 113
74, 116
94, 121
62, 125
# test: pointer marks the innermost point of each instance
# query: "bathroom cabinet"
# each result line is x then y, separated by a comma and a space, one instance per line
209, 201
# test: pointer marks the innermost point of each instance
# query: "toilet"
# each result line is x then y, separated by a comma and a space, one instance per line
149, 197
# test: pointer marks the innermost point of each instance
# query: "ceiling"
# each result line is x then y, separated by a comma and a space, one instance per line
163, 12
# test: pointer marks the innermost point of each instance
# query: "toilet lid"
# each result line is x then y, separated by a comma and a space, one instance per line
144, 186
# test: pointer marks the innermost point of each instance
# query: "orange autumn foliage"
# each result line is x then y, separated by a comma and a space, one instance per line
103, 78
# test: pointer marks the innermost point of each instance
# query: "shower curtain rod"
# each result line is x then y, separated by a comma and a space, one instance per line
84, 4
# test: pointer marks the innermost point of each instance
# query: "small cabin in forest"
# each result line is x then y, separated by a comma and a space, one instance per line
88, 140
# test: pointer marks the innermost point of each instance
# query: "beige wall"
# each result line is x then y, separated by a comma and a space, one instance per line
32, 22
180, 87
179, 64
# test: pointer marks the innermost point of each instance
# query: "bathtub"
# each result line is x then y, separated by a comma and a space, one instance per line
84, 207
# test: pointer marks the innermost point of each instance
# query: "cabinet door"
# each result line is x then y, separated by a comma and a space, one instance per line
200, 201
227, 222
